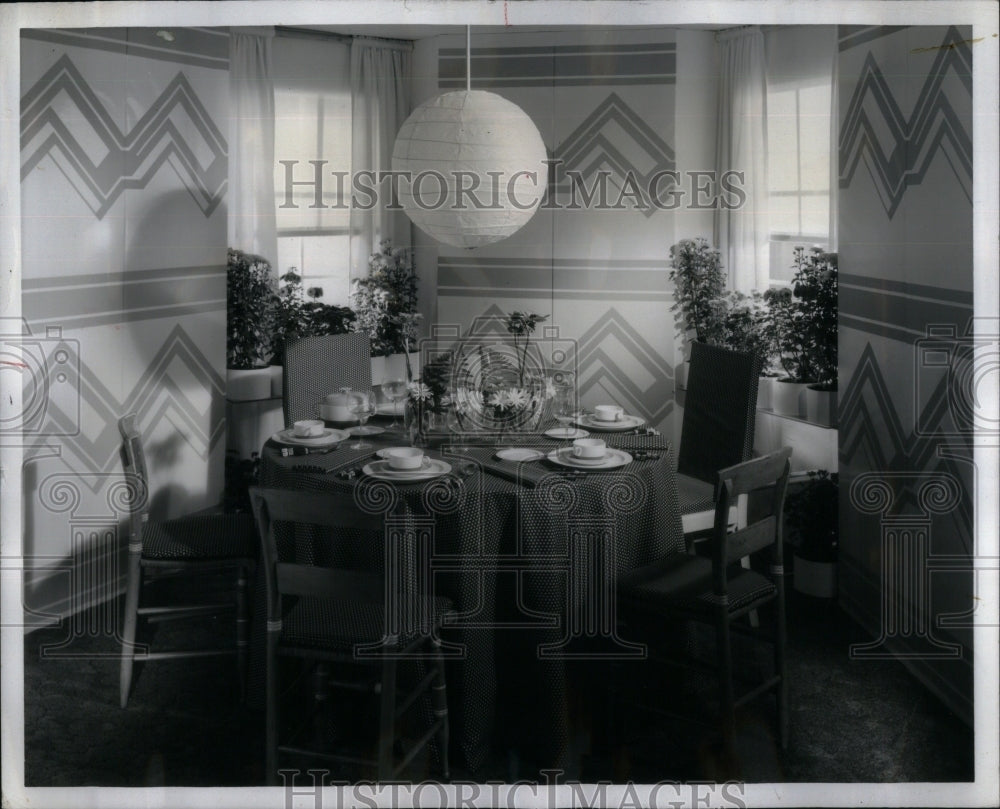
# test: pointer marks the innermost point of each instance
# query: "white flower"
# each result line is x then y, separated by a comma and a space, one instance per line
420, 391
445, 400
518, 397
499, 399
550, 389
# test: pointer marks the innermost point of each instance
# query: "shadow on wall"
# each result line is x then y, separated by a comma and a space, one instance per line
174, 322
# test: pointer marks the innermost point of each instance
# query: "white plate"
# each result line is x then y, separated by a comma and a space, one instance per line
612, 460
566, 433
327, 438
624, 423
381, 469
520, 454
391, 408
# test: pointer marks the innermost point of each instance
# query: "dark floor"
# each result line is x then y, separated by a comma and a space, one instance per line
852, 721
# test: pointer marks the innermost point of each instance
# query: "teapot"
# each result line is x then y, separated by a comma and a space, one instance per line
337, 406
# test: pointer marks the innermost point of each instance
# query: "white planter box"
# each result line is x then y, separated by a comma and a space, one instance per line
821, 406
277, 380
681, 375
394, 367
248, 385
765, 392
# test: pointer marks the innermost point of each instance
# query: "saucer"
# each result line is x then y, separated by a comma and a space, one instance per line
324, 439
520, 454
566, 433
624, 423
612, 459
433, 468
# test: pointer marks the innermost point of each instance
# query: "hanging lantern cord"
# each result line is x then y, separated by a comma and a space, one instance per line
468, 57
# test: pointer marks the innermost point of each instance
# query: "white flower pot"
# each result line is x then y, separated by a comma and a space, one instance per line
248, 385
821, 406
817, 579
277, 380
788, 398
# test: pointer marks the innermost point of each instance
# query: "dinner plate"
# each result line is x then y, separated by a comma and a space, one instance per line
624, 423
381, 469
566, 433
520, 454
612, 460
325, 439
391, 408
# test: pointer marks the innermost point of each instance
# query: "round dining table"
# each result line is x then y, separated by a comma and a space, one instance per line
527, 552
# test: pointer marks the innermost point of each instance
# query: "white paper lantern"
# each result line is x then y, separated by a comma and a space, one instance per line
480, 142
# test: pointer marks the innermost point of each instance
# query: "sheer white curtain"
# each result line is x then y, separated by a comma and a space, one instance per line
741, 145
380, 103
251, 143
834, 147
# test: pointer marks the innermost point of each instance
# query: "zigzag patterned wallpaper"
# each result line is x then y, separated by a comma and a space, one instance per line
601, 275
124, 173
906, 398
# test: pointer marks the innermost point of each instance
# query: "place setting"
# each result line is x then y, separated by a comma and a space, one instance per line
405, 465
589, 453
308, 436
609, 418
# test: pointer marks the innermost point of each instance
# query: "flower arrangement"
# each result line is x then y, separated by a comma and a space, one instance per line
522, 324
803, 319
386, 301
696, 271
432, 391
249, 300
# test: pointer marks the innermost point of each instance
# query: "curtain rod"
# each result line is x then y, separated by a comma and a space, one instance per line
310, 33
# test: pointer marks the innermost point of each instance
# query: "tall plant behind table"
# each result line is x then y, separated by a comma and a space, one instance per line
386, 301
250, 297
699, 284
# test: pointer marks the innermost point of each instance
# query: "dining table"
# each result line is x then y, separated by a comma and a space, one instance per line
527, 551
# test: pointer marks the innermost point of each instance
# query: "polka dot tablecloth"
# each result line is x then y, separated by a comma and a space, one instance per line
525, 561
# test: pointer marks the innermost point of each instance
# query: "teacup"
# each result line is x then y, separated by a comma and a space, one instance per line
405, 457
308, 428
608, 413
590, 448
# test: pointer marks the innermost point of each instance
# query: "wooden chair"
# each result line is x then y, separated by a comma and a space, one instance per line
331, 615
715, 590
189, 546
720, 410
316, 366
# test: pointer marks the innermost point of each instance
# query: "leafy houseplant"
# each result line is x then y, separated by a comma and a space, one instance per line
386, 301
803, 319
811, 520
295, 317
696, 271
744, 327
249, 300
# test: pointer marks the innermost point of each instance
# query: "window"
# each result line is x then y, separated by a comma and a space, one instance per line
799, 149
312, 121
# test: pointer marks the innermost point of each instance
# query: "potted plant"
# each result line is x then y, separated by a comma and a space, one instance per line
249, 302
803, 320
696, 272
386, 307
815, 285
744, 321
294, 317
811, 518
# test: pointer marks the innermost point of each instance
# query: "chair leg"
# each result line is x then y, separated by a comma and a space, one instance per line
129, 622
242, 628
780, 665
439, 703
271, 733
387, 720
727, 693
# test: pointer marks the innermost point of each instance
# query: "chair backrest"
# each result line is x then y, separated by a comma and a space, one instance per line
134, 466
720, 409
286, 512
316, 366
768, 472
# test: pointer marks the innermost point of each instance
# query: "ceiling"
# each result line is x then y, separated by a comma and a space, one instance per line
425, 31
